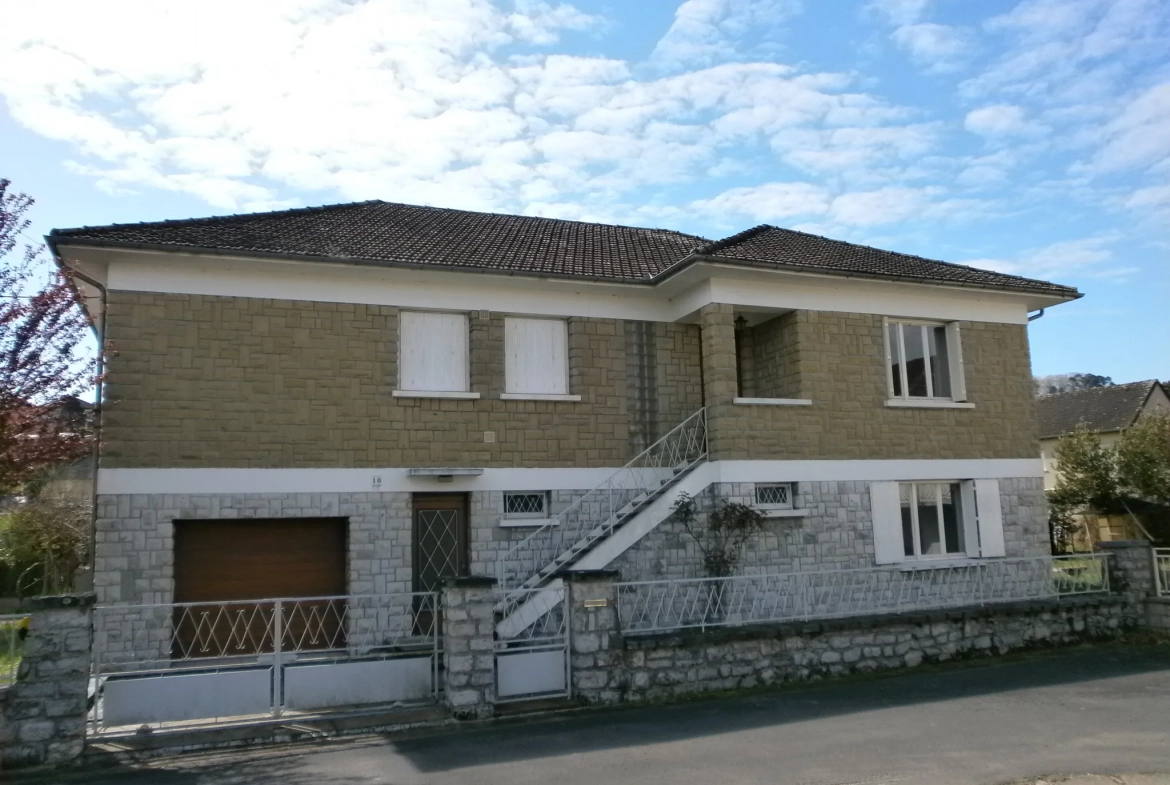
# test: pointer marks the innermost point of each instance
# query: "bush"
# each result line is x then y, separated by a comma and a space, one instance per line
43, 542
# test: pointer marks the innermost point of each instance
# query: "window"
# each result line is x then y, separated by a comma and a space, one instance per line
774, 496
941, 519
925, 361
536, 357
932, 519
432, 354
526, 505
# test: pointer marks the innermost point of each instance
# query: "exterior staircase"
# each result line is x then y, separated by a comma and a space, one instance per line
599, 526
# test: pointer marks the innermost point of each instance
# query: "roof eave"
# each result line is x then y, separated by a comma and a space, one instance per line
1063, 295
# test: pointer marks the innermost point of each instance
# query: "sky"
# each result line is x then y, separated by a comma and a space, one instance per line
1028, 137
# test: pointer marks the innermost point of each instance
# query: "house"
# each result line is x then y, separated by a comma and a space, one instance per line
1105, 411
363, 399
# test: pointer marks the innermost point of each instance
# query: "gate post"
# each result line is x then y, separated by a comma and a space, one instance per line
469, 627
595, 648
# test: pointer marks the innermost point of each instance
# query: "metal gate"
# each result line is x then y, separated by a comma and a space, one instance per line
532, 644
188, 662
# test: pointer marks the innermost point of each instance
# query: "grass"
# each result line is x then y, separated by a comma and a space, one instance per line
1080, 574
11, 649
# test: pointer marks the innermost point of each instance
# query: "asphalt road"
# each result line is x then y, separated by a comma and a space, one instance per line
1102, 710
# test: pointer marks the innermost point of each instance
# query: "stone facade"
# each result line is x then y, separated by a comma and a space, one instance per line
203, 381
608, 667
42, 716
836, 533
839, 364
469, 660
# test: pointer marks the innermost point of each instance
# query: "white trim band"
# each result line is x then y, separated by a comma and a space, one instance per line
388, 480
772, 401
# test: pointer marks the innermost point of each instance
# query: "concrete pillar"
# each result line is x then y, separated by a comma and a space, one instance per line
717, 321
595, 645
42, 716
469, 646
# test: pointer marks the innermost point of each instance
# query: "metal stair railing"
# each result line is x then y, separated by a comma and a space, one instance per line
534, 560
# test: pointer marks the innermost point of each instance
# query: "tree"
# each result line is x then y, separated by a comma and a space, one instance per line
1069, 382
44, 356
1143, 460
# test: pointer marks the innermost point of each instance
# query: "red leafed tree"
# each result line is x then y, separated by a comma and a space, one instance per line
46, 358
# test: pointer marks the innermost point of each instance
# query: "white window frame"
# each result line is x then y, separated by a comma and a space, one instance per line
954, 369
515, 386
981, 517
407, 389
517, 519
916, 528
790, 505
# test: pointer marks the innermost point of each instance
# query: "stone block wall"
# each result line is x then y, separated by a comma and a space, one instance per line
662, 379
43, 715
770, 353
839, 363
837, 532
206, 381
608, 667
469, 660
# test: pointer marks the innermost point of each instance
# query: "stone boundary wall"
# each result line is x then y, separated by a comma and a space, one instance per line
608, 667
1158, 614
42, 715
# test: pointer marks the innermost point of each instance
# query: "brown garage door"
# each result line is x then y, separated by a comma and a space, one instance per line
224, 561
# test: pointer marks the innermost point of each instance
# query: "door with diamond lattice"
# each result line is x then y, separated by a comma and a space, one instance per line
440, 542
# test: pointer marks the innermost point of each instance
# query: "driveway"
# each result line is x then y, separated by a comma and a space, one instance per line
1101, 710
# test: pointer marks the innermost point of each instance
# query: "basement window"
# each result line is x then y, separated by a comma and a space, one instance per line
775, 496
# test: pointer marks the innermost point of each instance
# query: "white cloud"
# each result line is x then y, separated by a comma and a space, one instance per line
772, 202
706, 31
937, 47
1139, 136
1086, 257
998, 120
901, 12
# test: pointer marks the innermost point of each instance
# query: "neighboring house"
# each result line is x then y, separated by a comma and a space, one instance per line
1106, 411
365, 398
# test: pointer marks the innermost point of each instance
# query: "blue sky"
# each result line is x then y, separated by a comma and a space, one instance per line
1031, 137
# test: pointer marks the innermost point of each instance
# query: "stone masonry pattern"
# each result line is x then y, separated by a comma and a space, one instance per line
203, 381
610, 668
42, 716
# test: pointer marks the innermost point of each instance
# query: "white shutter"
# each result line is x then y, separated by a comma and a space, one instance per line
886, 510
970, 531
990, 518
955, 359
432, 354
536, 356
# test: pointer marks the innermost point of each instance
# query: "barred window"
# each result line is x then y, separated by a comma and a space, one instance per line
526, 505
775, 496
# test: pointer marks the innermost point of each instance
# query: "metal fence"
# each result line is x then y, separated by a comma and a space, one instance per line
660, 606
193, 661
13, 629
597, 513
1162, 571
532, 645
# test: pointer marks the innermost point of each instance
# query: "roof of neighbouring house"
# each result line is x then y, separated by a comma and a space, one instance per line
377, 232
1101, 409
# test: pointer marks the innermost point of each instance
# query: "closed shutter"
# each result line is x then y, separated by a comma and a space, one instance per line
955, 360
432, 354
886, 510
536, 356
990, 518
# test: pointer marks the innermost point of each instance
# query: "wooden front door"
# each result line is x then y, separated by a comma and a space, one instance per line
441, 547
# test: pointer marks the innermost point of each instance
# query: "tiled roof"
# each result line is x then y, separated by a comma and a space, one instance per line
383, 232
379, 232
771, 246
1111, 408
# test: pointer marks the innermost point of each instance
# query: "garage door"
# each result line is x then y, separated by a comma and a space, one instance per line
224, 561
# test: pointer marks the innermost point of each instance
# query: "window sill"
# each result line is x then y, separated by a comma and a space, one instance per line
939, 564
535, 397
772, 401
927, 403
526, 523
467, 396
799, 513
